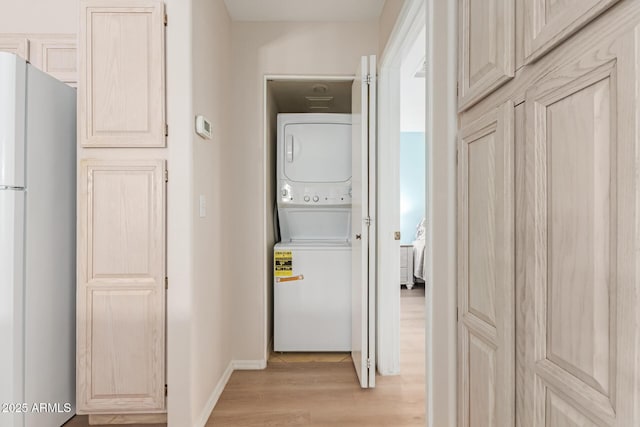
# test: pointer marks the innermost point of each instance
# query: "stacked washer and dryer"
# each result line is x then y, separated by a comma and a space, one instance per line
312, 262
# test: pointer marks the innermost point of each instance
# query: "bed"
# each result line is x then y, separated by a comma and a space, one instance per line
419, 248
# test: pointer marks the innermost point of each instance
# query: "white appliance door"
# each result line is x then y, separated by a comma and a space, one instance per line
12, 120
317, 152
363, 206
11, 303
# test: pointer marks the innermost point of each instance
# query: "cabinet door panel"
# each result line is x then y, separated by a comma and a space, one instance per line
582, 335
549, 22
56, 55
486, 271
121, 286
487, 55
17, 45
121, 92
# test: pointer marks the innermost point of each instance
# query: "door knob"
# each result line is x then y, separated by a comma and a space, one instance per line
358, 236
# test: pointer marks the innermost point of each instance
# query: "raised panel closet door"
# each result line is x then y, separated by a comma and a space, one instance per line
121, 93
486, 48
486, 323
549, 22
14, 44
121, 292
582, 326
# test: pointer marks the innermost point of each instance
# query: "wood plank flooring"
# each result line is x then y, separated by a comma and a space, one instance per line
305, 392
322, 390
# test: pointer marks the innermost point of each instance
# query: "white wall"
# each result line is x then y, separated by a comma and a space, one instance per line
179, 213
259, 49
387, 21
211, 303
412, 89
39, 16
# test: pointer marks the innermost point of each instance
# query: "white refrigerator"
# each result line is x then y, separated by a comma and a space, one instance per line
37, 246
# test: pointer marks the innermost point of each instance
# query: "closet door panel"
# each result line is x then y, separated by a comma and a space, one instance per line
549, 22
122, 92
486, 271
487, 54
15, 44
582, 333
121, 286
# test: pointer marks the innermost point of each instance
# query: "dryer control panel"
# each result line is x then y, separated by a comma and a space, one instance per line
293, 194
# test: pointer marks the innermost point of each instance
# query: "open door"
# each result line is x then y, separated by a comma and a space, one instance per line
362, 222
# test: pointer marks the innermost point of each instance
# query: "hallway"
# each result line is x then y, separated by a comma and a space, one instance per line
327, 393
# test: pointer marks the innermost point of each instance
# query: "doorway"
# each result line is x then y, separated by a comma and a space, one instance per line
403, 192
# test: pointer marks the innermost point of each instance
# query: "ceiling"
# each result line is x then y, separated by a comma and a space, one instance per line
311, 96
304, 10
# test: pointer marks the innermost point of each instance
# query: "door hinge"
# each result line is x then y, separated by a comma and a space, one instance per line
457, 314
166, 129
367, 221
166, 175
367, 79
166, 19
457, 89
368, 363
457, 155
166, 389
166, 282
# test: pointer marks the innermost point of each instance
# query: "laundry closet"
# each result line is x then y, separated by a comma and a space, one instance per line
309, 164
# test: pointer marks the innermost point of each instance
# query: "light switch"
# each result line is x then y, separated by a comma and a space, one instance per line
203, 206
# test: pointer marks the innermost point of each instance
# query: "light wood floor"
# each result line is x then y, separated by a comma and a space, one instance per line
322, 389
307, 392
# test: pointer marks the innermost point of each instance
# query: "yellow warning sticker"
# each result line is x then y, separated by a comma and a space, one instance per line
282, 263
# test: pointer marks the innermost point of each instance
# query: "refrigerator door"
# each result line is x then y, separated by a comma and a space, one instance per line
12, 120
12, 210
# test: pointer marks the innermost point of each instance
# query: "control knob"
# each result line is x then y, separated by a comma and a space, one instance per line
316, 198
306, 198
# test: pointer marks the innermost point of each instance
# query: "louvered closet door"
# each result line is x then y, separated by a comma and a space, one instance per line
582, 328
486, 344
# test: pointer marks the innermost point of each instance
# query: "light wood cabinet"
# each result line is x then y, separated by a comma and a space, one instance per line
122, 96
122, 235
549, 22
576, 188
121, 287
15, 44
582, 189
486, 341
486, 48
56, 55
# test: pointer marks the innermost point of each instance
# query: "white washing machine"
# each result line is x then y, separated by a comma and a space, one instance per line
312, 263
312, 296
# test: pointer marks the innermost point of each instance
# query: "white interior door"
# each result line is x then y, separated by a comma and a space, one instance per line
362, 222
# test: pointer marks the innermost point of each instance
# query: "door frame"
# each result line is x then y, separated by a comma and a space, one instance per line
410, 22
266, 203
440, 129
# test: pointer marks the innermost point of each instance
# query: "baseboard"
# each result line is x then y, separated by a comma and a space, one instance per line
215, 395
249, 365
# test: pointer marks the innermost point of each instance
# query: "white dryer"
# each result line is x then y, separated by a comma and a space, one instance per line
312, 263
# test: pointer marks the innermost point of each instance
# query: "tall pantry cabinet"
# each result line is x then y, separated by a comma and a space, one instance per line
121, 211
549, 213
